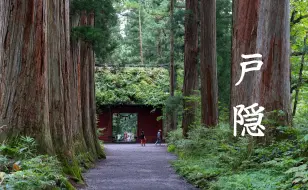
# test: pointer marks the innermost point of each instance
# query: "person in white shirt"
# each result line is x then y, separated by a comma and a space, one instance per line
158, 141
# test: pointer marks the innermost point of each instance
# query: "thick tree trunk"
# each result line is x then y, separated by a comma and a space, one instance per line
45, 91
209, 83
86, 89
76, 64
300, 77
24, 103
190, 64
262, 27
59, 78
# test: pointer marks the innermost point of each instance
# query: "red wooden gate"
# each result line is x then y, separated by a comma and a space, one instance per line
147, 120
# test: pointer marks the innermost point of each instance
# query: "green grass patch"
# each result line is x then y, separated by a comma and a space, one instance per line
213, 159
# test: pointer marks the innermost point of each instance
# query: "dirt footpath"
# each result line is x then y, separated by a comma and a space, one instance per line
132, 167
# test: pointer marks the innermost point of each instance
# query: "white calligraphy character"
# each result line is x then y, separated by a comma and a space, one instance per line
251, 119
248, 63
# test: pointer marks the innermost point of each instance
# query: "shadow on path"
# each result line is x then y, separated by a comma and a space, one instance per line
133, 167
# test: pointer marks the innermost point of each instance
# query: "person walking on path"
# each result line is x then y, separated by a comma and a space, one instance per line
142, 138
125, 136
158, 137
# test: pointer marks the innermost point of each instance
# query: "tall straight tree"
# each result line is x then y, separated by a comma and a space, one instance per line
39, 80
190, 83
172, 115
86, 99
300, 76
208, 62
24, 70
171, 48
262, 27
140, 32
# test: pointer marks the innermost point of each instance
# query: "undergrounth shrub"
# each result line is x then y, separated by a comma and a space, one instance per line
214, 159
22, 168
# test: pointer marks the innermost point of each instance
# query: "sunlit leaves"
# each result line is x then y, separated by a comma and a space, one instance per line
132, 86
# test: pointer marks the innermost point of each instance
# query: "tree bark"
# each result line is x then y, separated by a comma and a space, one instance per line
77, 62
171, 49
208, 62
86, 89
173, 113
300, 77
61, 77
159, 44
140, 34
262, 27
44, 90
190, 84
24, 104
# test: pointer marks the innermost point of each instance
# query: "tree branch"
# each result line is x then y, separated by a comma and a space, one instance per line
294, 87
297, 53
293, 22
293, 16
180, 6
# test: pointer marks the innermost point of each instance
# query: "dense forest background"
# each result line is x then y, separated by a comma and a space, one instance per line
151, 20
152, 34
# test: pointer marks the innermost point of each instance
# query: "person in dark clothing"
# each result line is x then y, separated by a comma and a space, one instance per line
142, 138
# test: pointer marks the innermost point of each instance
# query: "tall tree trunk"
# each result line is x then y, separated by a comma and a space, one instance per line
59, 77
24, 104
171, 49
173, 113
78, 133
86, 89
36, 78
209, 83
262, 27
39, 79
190, 64
140, 34
300, 76
159, 44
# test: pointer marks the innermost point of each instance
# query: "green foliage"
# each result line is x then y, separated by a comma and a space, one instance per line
298, 32
131, 86
174, 136
224, 112
20, 147
41, 172
99, 34
249, 180
85, 161
224, 31
214, 159
124, 122
171, 148
21, 167
173, 103
300, 175
156, 26
155, 32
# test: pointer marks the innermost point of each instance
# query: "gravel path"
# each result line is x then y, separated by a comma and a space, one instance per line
132, 167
